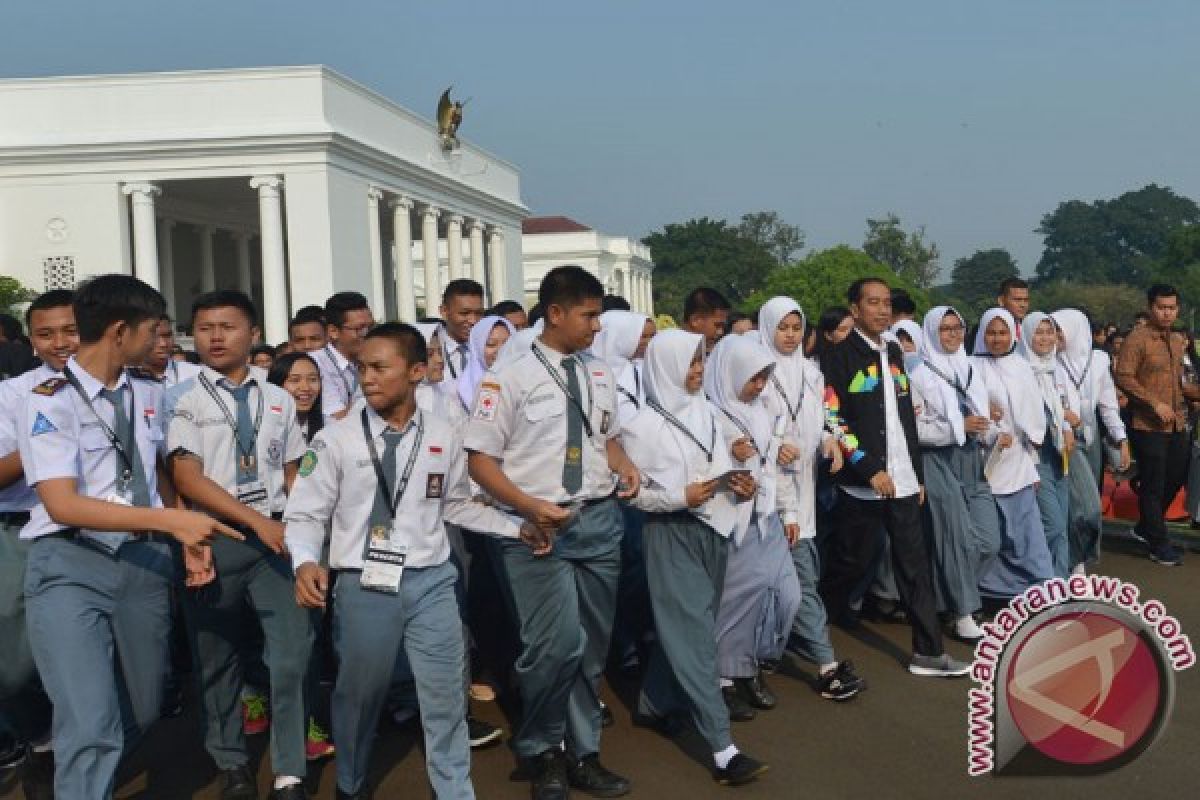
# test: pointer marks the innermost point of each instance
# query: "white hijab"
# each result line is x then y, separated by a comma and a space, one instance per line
733, 362
1015, 377
472, 376
939, 373
618, 339
1045, 370
517, 345
913, 331
796, 375
436, 398
1080, 361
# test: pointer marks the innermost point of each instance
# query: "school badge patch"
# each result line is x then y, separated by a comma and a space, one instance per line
42, 424
308, 463
489, 398
49, 387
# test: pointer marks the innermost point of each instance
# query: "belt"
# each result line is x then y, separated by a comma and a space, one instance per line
14, 518
595, 500
75, 535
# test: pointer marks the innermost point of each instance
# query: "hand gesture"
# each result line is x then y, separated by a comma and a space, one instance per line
270, 531
312, 584
882, 483
743, 486
787, 454
539, 541
699, 493
742, 449
194, 528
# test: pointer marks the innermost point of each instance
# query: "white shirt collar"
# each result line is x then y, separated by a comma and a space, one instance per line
91, 386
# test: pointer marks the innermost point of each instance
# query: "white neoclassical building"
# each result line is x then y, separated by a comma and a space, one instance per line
622, 264
290, 183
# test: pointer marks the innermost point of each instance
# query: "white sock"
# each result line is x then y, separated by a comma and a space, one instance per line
44, 746
726, 682
725, 756
830, 667
284, 781
1079, 569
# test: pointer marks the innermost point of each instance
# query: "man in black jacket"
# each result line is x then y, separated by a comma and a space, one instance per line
869, 406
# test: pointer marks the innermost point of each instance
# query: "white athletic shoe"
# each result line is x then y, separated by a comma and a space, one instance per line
942, 666
967, 629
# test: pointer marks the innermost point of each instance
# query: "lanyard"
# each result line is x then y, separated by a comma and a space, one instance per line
393, 500
115, 440
762, 459
587, 423
1066, 363
341, 375
669, 417
637, 389
963, 398
792, 412
247, 457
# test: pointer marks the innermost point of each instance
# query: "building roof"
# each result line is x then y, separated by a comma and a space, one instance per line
552, 225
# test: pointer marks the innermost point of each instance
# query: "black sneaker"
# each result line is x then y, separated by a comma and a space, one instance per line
481, 733
740, 770
238, 784
840, 683
588, 775
294, 792
12, 752
669, 726
549, 775
607, 720
37, 775
739, 709
769, 666
756, 692
1166, 554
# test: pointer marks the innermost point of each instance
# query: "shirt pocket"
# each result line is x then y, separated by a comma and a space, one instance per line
545, 405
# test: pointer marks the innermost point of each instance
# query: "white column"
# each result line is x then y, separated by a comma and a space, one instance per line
208, 265
245, 279
166, 264
635, 291
648, 294
274, 268
429, 249
145, 244
478, 261
496, 266
375, 248
406, 292
454, 253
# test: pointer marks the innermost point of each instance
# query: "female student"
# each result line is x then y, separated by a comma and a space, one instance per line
434, 395
1016, 435
762, 592
1039, 342
794, 397
299, 375
682, 450
621, 343
483, 346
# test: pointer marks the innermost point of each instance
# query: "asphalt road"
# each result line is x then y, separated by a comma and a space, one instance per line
903, 738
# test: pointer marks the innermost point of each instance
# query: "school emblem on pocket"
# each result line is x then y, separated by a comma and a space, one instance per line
308, 463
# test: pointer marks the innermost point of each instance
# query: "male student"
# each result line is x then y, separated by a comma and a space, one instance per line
235, 445
347, 320
542, 442
462, 307
306, 331
706, 312
160, 364
24, 709
382, 484
89, 446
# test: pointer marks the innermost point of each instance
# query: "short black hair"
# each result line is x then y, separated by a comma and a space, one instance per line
461, 287
704, 300
614, 302
854, 293
902, 303
569, 286
55, 298
105, 299
537, 312
308, 314
409, 341
10, 326
736, 317
339, 304
260, 349
505, 307
831, 318
1012, 283
1158, 290
226, 298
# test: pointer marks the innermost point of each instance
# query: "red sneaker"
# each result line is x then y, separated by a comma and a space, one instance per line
255, 719
316, 743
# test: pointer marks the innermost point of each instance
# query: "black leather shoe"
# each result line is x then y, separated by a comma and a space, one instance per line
238, 784
549, 771
606, 717
756, 692
37, 775
669, 726
294, 792
739, 709
740, 770
588, 775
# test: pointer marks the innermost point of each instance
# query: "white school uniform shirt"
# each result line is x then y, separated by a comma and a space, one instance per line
179, 371
1015, 467
339, 380
520, 419
899, 465
337, 484
196, 424
63, 438
934, 428
797, 482
18, 496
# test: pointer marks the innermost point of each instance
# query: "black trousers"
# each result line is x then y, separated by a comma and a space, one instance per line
1162, 462
854, 545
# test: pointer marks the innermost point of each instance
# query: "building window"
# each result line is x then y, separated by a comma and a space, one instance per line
58, 272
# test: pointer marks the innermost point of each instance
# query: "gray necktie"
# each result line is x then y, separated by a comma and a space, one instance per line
380, 514
572, 479
133, 486
245, 449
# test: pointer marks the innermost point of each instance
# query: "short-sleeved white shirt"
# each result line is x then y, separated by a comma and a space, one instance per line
18, 496
339, 380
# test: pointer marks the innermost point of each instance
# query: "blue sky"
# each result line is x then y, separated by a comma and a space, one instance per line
972, 119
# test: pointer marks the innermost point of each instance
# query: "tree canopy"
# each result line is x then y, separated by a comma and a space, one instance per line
768, 230
975, 279
908, 254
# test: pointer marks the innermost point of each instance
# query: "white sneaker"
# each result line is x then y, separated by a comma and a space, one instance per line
967, 629
942, 666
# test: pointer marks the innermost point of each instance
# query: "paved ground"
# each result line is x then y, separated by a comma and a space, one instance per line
904, 738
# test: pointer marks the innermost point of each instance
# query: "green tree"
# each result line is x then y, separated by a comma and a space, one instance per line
821, 279
705, 252
13, 293
768, 230
974, 280
1106, 302
1112, 241
907, 254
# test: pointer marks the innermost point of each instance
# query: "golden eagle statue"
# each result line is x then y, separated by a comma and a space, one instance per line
449, 117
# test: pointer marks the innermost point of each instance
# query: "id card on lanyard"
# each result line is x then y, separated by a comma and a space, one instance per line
385, 551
